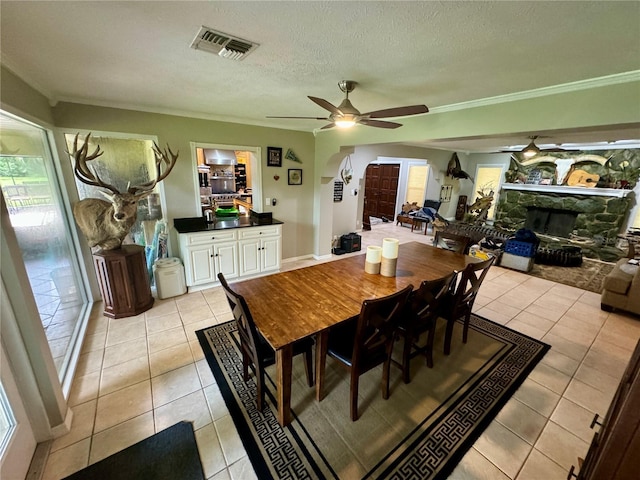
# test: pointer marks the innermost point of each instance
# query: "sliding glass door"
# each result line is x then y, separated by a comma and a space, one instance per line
31, 190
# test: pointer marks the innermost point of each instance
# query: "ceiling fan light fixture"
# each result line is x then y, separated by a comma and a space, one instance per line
530, 150
346, 121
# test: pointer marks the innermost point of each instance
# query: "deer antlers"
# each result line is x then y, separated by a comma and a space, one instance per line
161, 158
89, 177
80, 168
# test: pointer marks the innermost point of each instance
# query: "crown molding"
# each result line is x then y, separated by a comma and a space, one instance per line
608, 80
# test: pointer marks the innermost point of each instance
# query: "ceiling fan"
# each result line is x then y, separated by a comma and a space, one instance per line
346, 115
532, 149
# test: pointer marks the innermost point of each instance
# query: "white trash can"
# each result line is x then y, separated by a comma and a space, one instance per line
169, 275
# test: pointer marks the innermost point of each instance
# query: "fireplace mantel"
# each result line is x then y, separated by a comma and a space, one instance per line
562, 189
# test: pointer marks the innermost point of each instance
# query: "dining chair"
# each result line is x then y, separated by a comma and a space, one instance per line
257, 354
458, 301
451, 241
421, 313
365, 341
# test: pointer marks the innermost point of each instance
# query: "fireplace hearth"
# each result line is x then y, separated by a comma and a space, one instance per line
558, 223
592, 216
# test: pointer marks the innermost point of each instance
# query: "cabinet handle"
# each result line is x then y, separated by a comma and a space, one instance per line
213, 238
595, 421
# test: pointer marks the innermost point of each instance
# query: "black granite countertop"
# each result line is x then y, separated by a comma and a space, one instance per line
199, 224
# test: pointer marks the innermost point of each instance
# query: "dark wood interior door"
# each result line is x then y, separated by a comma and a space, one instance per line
380, 191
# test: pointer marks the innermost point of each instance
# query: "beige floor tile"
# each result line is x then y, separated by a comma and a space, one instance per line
474, 466
125, 351
540, 398
174, 384
166, 339
94, 342
191, 408
503, 448
561, 446
66, 461
205, 373
504, 309
192, 328
163, 322
527, 329
597, 379
580, 335
216, 403
89, 362
565, 346
540, 467
587, 314
566, 291
589, 397
124, 374
170, 359
121, 436
242, 470
162, 307
554, 301
190, 300
224, 317
196, 350
210, 450
607, 358
522, 420
516, 300
622, 341
84, 388
81, 425
545, 314
535, 321
196, 314
561, 362
123, 405
553, 379
229, 440
574, 418
221, 475
125, 329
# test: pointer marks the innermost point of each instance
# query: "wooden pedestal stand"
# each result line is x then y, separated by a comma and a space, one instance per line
124, 281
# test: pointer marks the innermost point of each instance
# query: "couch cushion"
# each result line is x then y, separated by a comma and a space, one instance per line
619, 280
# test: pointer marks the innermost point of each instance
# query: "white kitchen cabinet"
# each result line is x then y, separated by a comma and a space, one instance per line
237, 253
205, 254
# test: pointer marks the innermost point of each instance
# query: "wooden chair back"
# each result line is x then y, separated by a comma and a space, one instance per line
452, 241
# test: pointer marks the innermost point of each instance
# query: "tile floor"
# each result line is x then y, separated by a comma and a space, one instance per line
141, 374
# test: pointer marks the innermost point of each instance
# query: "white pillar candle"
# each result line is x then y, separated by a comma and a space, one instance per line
373, 259
374, 254
390, 247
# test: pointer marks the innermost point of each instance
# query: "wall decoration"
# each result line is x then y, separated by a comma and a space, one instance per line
338, 188
295, 176
274, 157
292, 156
276, 177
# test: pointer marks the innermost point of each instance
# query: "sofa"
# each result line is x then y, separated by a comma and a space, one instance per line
621, 288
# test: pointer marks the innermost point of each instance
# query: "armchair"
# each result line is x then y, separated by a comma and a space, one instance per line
621, 288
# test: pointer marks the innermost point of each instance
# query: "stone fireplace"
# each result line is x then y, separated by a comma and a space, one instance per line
595, 215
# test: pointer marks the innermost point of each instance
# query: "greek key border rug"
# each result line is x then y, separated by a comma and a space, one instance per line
421, 432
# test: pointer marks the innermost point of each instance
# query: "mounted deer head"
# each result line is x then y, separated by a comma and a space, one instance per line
107, 223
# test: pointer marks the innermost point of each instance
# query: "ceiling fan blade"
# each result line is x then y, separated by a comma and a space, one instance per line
379, 123
326, 105
330, 125
556, 149
308, 118
398, 111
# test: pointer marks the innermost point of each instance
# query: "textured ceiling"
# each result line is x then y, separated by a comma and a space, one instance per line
136, 54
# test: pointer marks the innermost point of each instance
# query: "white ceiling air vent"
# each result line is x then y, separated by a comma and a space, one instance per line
222, 44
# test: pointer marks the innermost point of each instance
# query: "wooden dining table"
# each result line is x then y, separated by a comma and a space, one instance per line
297, 304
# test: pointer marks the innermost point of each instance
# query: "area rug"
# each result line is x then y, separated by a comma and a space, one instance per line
168, 455
588, 276
422, 431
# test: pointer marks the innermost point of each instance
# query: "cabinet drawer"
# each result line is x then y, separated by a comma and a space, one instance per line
259, 232
200, 238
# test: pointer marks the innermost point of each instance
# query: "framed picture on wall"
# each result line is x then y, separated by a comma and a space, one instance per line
274, 157
295, 176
